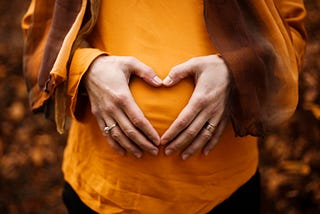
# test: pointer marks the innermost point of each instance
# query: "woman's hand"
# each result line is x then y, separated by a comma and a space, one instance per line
202, 122
112, 104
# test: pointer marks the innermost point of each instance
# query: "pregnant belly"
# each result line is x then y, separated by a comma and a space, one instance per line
161, 106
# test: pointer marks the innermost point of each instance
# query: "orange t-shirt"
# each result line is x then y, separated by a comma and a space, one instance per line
161, 34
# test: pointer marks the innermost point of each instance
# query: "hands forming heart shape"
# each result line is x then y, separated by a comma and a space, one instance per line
199, 125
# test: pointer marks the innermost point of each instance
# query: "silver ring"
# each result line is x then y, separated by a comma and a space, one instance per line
107, 129
210, 127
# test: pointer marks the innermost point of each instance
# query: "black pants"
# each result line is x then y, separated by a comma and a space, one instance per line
245, 200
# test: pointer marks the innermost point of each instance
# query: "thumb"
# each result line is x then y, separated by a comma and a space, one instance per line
145, 72
178, 73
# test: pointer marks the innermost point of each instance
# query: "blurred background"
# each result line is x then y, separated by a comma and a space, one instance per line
31, 150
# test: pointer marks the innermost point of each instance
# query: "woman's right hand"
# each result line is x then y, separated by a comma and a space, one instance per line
106, 82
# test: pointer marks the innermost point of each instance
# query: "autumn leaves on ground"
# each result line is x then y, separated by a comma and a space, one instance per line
31, 150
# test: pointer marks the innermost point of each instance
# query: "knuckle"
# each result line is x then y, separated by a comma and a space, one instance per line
206, 136
115, 135
191, 133
106, 107
131, 60
148, 70
174, 71
194, 62
178, 75
120, 98
182, 123
110, 108
136, 121
202, 101
131, 133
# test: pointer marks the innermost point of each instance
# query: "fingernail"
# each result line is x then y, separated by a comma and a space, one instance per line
185, 156
163, 142
206, 152
167, 80
154, 152
168, 151
157, 80
137, 154
156, 142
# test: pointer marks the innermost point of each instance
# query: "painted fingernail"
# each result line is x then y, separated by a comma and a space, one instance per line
157, 80
168, 151
167, 80
154, 152
185, 156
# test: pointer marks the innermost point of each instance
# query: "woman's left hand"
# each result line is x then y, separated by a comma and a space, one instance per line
201, 123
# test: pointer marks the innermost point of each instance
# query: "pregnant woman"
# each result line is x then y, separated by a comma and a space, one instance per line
167, 98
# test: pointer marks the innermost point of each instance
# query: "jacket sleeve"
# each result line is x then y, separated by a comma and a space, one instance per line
293, 14
81, 61
273, 97
262, 43
53, 30
35, 27
279, 96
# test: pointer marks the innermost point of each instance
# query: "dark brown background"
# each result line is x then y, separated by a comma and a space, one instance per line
31, 150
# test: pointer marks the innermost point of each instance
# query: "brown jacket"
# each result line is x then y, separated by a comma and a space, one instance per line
262, 42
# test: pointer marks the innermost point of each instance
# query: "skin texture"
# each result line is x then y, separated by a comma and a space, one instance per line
110, 75
207, 103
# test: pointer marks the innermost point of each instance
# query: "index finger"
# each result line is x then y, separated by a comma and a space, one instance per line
183, 120
138, 119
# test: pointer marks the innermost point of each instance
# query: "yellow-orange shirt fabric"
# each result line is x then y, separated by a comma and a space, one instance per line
161, 34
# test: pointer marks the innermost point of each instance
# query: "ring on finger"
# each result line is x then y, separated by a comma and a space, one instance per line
210, 127
107, 129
